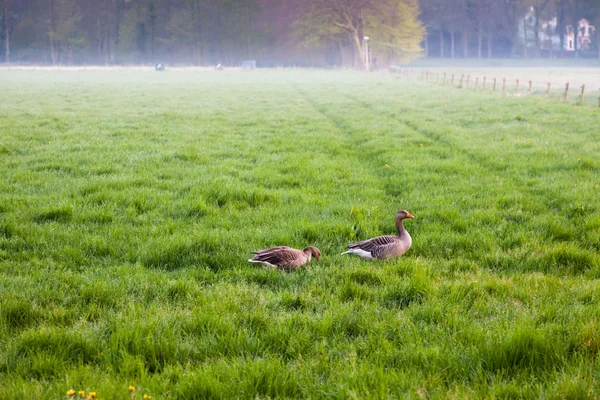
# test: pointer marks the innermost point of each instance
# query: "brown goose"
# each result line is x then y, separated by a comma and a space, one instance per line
284, 257
383, 247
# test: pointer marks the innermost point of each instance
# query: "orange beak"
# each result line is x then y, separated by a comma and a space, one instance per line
409, 215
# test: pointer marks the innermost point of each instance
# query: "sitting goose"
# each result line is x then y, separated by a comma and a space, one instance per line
284, 257
383, 247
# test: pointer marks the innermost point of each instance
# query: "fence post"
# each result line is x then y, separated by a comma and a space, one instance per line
582, 92
476, 83
461, 80
503, 86
494, 85
548, 90
438, 78
484, 78
566, 92
452, 80
444, 81
530, 88
517, 89
468, 80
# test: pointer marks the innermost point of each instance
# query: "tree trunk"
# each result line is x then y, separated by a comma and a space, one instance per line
6, 34
358, 50
524, 37
536, 28
51, 34
99, 37
561, 27
342, 58
465, 41
489, 42
441, 43
479, 39
452, 42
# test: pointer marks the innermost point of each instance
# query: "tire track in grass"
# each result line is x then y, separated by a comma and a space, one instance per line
521, 186
355, 143
346, 133
337, 123
575, 258
395, 183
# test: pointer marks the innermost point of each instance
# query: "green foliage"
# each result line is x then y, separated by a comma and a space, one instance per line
129, 205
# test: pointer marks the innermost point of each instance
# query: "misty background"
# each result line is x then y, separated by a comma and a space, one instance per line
285, 32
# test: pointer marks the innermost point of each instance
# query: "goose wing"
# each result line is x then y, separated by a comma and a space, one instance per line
280, 256
377, 246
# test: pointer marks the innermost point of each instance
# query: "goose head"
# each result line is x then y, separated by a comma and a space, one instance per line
313, 251
403, 214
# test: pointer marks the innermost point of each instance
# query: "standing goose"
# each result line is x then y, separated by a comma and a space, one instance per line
384, 247
284, 257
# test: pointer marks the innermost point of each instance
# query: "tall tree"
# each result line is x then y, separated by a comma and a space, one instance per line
7, 31
380, 18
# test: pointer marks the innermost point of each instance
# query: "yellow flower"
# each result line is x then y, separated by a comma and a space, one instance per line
131, 388
421, 144
387, 166
147, 396
81, 393
92, 395
70, 393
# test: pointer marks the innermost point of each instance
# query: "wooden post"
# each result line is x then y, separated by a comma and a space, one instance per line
548, 90
452, 80
468, 80
444, 81
438, 78
484, 78
462, 77
476, 83
517, 88
503, 85
530, 88
494, 85
582, 92
566, 92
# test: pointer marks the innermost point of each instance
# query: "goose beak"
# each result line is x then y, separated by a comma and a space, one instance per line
409, 215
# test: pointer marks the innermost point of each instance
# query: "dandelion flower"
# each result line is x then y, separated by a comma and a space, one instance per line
92, 395
81, 393
420, 144
148, 397
70, 393
131, 388
387, 166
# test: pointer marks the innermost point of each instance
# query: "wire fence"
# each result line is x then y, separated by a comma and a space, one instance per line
561, 91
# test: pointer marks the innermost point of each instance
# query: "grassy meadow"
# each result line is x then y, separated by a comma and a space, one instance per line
129, 203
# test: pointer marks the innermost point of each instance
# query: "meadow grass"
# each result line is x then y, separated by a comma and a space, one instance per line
129, 203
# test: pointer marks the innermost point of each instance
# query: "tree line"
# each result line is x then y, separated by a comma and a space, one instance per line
283, 32
510, 28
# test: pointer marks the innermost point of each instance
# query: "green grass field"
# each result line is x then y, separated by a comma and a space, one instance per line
129, 203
